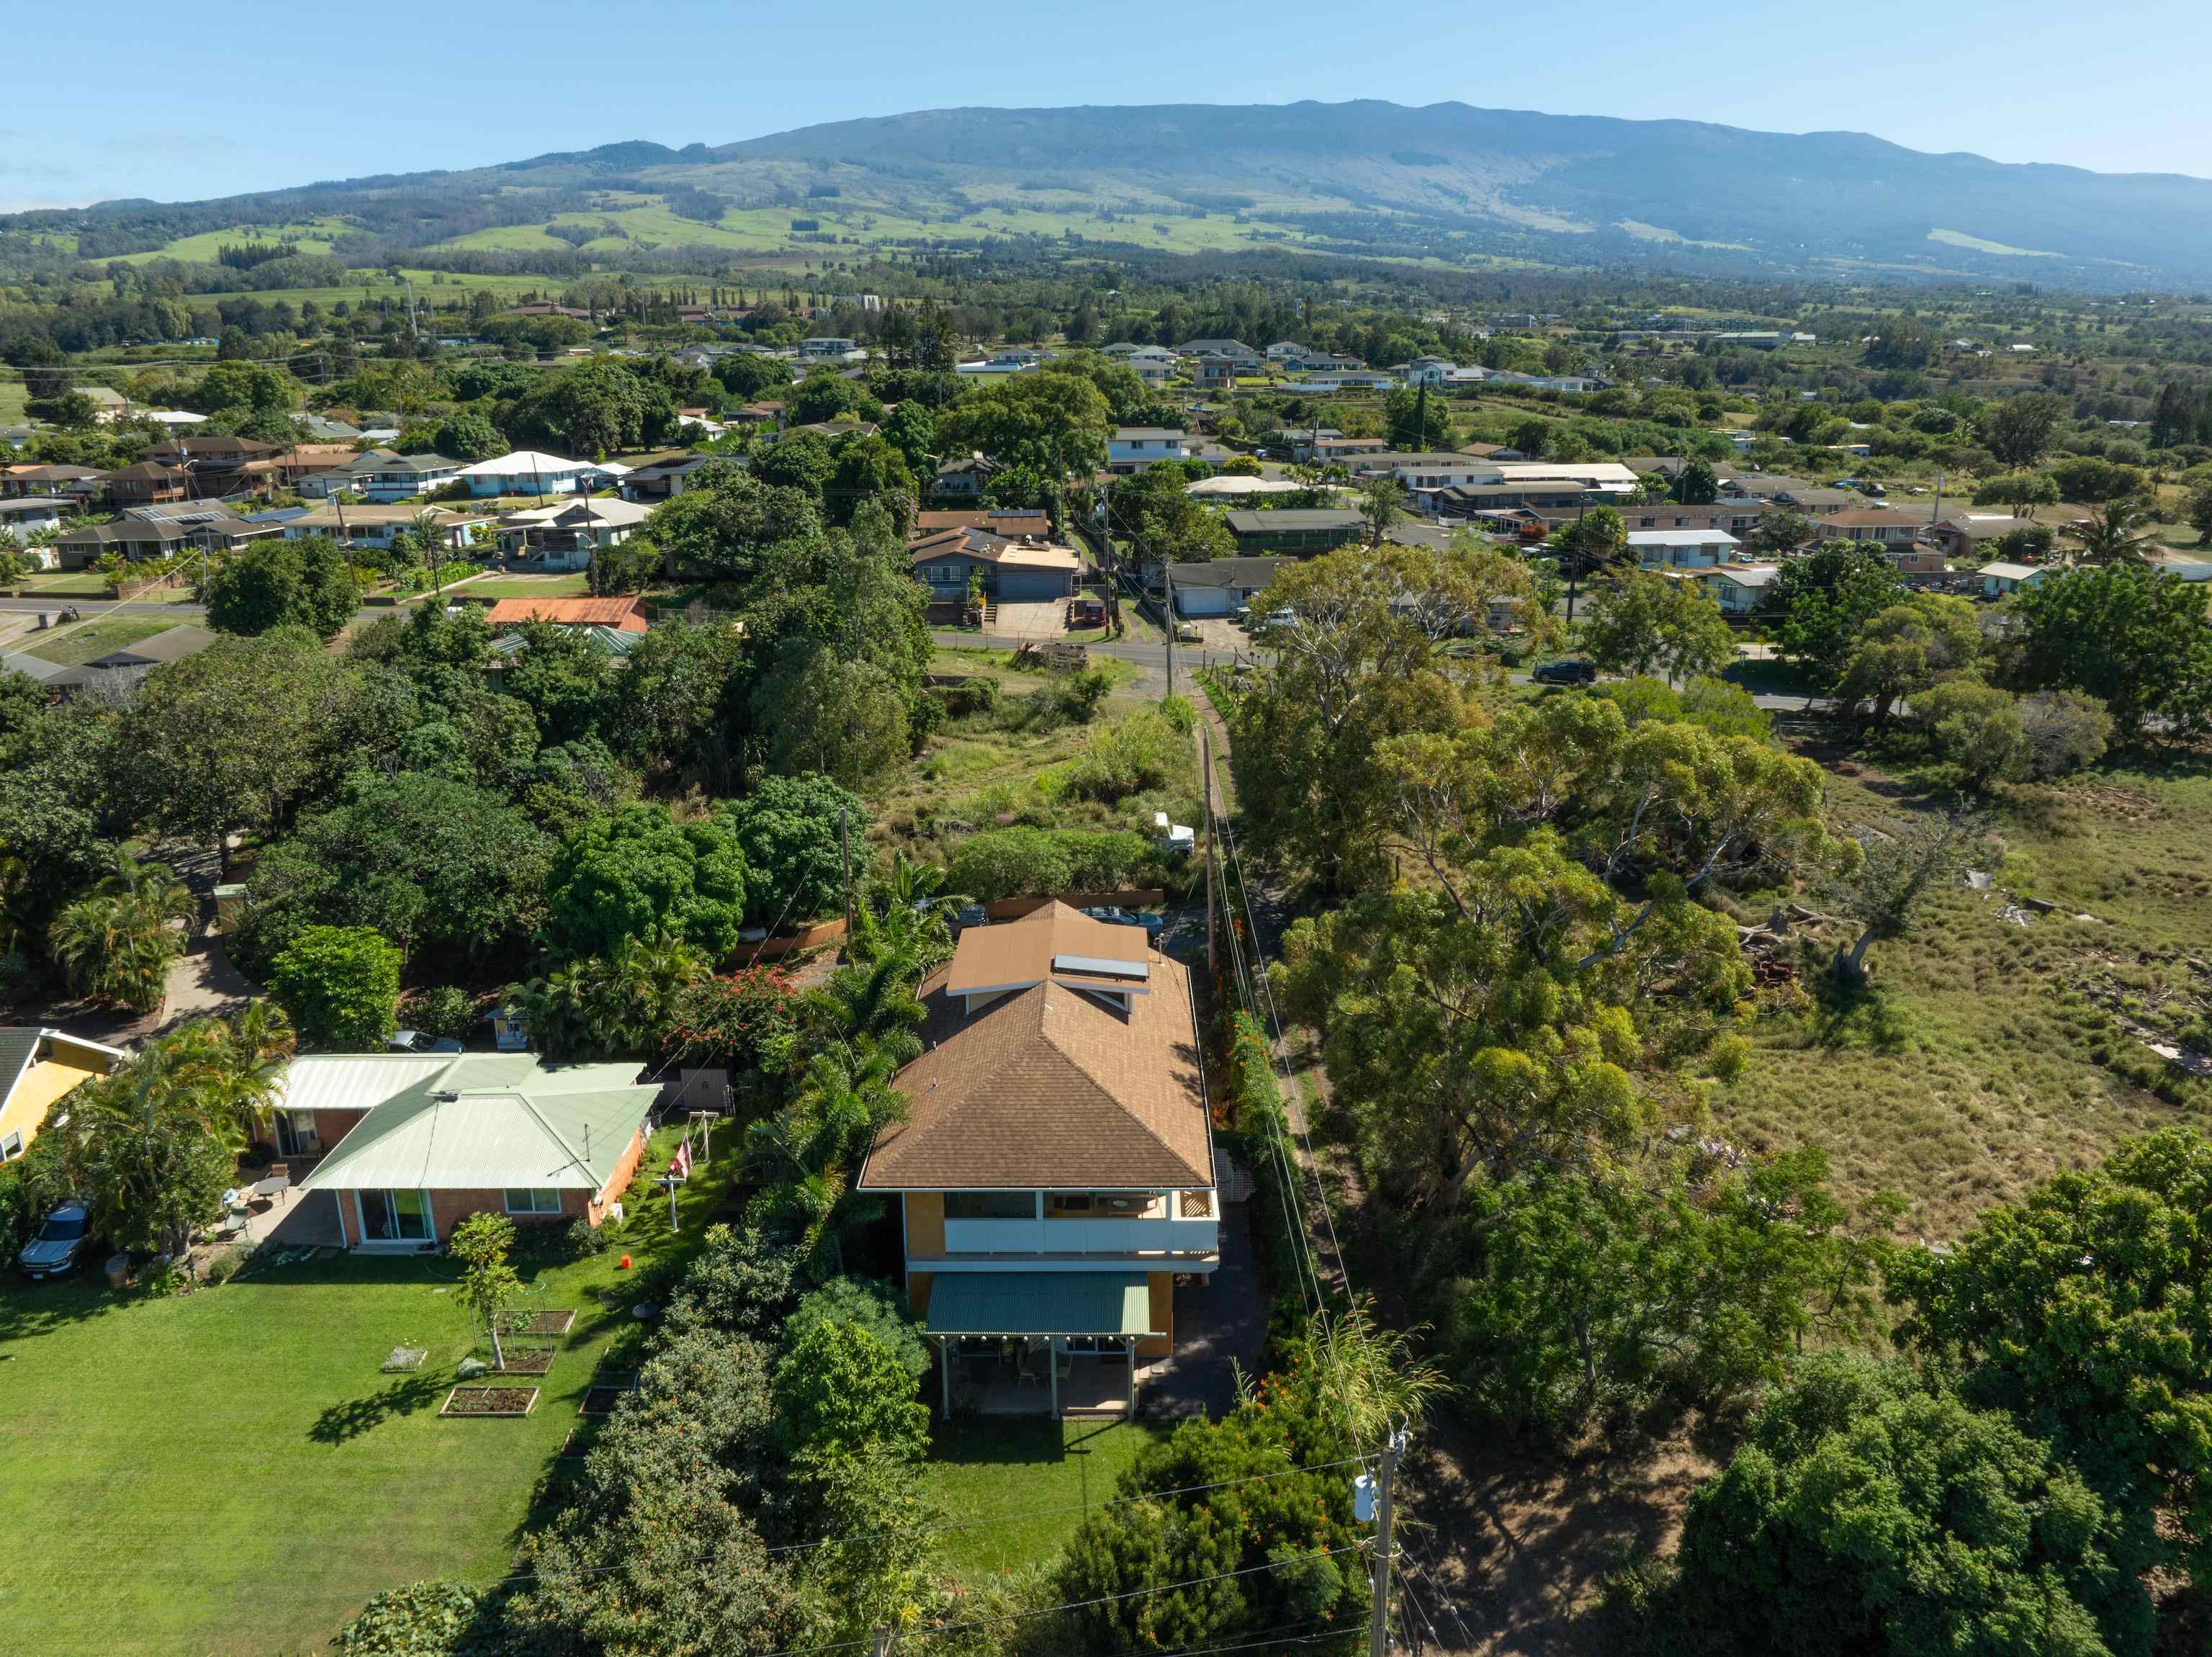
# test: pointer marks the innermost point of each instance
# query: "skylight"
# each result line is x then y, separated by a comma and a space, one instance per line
1093, 966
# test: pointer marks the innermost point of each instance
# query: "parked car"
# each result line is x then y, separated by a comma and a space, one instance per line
1186, 634
1565, 672
56, 1250
422, 1041
1153, 924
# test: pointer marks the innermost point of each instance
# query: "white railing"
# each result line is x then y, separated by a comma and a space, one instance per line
1081, 1236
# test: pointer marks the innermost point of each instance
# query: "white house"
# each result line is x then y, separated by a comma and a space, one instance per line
25, 514
565, 536
823, 349
1998, 579
1682, 549
1134, 447
991, 368
1738, 587
530, 471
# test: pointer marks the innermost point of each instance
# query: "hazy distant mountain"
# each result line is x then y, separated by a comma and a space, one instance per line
1446, 180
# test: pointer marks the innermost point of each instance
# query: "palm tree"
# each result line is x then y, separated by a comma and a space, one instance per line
905, 913
116, 942
2112, 536
811, 1146
235, 1064
624, 1002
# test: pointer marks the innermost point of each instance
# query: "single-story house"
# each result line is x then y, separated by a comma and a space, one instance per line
622, 613
530, 471
376, 526
161, 532
1964, 533
663, 480
1220, 586
411, 1144
963, 478
1998, 579
1014, 571
1011, 522
2193, 565
119, 669
1738, 587
38, 1068
70, 483
384, 477
1295, 529
566, 536
1682, 549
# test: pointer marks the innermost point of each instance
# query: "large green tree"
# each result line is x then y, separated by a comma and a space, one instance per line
2081, 1311
1057, 422
1821, 601
1874, 1514
2133, 637
227, 740
795, 832
1655, 624
275, 582
117, 940
2018, 429
636, 871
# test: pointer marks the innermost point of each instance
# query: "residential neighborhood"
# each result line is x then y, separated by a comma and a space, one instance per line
1298, 876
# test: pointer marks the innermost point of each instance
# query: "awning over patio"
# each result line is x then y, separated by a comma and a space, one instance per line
1040, 1303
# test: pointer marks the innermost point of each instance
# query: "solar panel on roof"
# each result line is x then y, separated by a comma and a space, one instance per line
1098, 966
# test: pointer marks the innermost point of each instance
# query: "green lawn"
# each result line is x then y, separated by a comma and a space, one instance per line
227, 1472
1048, 1471
576, 584
82, 642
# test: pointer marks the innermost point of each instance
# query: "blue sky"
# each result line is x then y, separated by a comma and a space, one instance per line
155, 101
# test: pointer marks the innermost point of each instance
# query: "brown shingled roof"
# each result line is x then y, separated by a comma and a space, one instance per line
1049, 1086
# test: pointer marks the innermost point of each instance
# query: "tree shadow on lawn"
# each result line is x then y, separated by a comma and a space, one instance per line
1849, 1011
343, 1422
29, 1310
977, 1441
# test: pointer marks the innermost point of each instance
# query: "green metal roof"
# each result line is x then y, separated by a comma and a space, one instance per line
1040, 1303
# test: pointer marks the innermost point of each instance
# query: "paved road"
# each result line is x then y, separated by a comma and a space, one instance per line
90, 607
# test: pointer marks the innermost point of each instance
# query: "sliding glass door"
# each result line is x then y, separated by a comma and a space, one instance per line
394, 1216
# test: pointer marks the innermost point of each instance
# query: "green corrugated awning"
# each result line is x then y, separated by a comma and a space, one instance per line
1040, 1303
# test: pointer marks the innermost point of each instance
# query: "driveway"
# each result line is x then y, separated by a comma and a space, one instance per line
1218, 1318
1045, 619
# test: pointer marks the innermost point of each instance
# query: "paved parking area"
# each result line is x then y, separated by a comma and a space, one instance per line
1047, 619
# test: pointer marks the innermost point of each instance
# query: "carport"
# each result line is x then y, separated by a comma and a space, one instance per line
1015, 1335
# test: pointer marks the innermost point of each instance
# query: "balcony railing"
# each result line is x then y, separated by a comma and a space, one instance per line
1082, 1236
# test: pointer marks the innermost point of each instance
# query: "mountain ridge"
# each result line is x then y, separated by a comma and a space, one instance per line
1447, 180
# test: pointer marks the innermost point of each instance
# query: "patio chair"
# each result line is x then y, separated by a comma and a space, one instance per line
1033, 1369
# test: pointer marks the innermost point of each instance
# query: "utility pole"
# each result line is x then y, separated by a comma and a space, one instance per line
1167, 615
1378, 1627
881, 1642
1574, 565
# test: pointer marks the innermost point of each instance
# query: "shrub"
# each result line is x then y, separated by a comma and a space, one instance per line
223, 1267
560, 1245
1132, 755
425, 1619
340, 986
441, 1009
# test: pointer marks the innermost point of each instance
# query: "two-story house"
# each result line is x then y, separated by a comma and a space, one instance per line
1054, 1172
1133, 448
1682, 549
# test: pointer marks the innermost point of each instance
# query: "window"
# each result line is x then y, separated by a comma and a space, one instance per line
989, 1205
11, 1148
538, 1200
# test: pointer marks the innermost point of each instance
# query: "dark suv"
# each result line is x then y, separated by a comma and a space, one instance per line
1565, 672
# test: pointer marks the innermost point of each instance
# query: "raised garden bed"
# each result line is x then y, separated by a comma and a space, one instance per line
528, 1360
547, 1323
601, 1400
490, 1401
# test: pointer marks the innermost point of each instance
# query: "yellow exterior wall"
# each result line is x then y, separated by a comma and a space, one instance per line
917, 1291
925, 1224
1160, 1286
42, 1085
